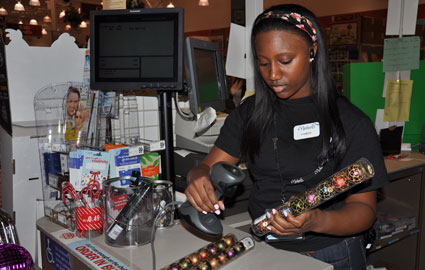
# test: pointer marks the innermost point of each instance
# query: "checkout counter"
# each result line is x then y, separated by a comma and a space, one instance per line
403, 250
61, 250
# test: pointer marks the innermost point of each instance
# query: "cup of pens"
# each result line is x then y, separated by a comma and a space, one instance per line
129, 211
87, 205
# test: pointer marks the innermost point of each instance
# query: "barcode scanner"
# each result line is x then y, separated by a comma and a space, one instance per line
225, 177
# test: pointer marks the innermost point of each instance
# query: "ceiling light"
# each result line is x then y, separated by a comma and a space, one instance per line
33, 22
44, 31
203, 3
35, 3
62, 14
20, 22
83, 24
170, 5
19, 7
47, 19
3, 11
68, 27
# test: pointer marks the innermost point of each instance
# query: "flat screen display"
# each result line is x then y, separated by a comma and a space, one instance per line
205, 74
137, 49
206, 67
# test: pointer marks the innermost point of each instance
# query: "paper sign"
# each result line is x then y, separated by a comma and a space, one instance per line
96, 257
235, 62
394, 75
410, 12
401, 53
114, 4
381, 124
397, 101
56, 255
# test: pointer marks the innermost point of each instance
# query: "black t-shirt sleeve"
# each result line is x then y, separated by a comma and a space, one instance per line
230, 136
362, 141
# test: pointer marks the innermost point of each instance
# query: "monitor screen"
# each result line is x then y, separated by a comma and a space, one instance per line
136, 49
205, 75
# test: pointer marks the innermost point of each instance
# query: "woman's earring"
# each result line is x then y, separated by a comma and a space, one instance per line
311, 55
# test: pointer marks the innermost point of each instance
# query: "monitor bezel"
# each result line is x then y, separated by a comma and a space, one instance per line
196, 105
168, 84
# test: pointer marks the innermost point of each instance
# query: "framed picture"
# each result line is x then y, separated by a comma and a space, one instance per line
346, 33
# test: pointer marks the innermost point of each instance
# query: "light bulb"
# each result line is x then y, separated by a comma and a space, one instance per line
19, 7
62, 14
203, 3
35, 3
3, 11
47, 19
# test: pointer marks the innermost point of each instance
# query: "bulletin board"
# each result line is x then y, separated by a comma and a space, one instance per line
363, 84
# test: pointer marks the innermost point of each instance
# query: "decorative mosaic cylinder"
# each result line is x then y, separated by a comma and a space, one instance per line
325, 190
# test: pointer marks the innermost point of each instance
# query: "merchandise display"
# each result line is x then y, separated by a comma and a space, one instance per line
129, 212
339, 182
214, 255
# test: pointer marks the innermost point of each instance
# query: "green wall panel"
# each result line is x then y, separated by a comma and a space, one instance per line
363, 85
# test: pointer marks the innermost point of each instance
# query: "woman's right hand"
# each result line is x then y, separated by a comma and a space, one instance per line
200, 191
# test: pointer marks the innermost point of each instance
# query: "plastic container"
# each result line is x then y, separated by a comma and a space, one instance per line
129, 212
325, 190
214, 255
163, 195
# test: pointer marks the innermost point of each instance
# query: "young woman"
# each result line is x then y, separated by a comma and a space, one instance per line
295, 91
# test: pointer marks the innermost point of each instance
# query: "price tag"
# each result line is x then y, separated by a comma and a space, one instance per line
136, 150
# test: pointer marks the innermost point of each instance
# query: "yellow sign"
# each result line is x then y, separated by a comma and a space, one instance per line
397, 100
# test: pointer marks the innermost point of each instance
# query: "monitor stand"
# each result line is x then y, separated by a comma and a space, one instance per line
166, 134
186, 138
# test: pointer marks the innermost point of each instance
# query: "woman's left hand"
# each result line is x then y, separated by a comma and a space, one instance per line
294, 225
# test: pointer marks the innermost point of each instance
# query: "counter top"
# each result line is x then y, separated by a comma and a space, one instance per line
175, 242
414, 159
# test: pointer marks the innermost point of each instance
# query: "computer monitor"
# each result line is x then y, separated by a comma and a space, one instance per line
205, 75
137, 49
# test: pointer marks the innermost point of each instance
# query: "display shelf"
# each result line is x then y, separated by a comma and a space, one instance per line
403, 244
382, 243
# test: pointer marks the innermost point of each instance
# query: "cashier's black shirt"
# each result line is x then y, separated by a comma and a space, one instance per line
298, 159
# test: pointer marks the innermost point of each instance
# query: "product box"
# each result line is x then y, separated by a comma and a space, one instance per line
122, 164
151, 165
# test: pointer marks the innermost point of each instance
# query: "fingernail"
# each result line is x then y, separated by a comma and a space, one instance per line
204, 212
269, 228
216, 206
268, 215
221, 205
274, 211
217, 212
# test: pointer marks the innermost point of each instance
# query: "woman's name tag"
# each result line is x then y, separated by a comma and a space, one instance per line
306, 131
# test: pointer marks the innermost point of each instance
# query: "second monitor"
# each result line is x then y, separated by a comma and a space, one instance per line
206, 79
205, 75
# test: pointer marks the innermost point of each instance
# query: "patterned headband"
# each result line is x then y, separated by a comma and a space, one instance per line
293, 18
